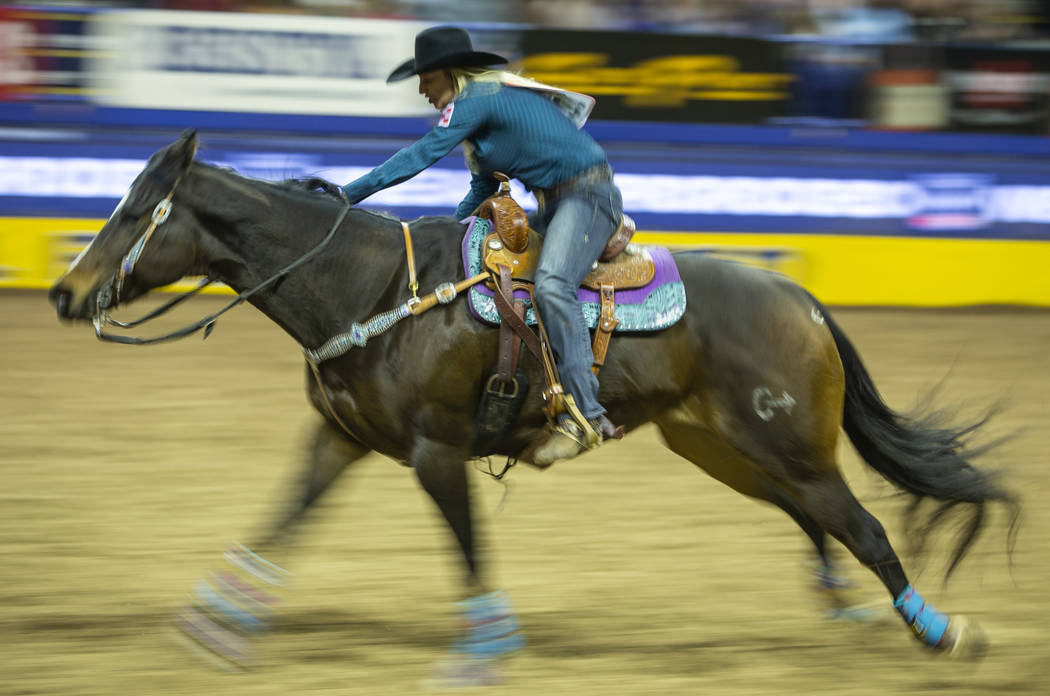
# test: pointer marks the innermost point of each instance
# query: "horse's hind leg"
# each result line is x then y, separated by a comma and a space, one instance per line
810, 474
491, 628
726, 464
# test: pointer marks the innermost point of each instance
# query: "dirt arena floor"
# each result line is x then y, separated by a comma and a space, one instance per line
127, 470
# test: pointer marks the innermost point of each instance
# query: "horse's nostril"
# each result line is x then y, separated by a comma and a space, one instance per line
61, 300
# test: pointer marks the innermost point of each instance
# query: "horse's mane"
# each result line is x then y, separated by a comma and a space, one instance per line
312, 184
315, 184
309, 187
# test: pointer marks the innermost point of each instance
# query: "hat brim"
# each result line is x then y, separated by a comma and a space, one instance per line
471, 59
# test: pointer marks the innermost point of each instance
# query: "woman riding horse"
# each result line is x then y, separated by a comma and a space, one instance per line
514, 129
752, 388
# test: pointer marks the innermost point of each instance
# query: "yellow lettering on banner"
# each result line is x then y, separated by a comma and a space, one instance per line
661, 81
722, 95
689, 64
557, 62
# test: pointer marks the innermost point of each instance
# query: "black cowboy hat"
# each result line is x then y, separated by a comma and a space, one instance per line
443, 47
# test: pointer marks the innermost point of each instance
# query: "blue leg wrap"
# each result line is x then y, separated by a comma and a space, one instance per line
231, 605
930, 625
231, 613
492, 626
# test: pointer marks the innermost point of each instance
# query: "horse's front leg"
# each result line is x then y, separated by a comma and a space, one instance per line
331, 452
238, 599
491, 628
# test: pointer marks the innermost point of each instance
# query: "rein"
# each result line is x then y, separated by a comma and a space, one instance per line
358, 335
102, 319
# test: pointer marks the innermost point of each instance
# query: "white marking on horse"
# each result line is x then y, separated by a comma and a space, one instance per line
763, 401
112, 215
79, 256
815, 315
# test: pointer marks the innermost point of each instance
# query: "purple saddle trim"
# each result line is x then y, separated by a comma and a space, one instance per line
649, 308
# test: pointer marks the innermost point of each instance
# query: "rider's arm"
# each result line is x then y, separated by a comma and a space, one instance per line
458, 121
481, 187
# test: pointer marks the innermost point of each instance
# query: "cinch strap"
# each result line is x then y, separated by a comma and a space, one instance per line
413, 284
930, 625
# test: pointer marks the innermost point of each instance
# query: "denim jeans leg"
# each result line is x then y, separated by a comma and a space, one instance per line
576, 234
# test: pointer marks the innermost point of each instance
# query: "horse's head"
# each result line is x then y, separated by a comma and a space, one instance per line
147, 242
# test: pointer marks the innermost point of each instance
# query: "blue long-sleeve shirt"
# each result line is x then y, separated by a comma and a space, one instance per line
511, 130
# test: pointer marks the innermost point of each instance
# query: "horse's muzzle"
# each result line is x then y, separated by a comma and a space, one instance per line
60, 297
71, 305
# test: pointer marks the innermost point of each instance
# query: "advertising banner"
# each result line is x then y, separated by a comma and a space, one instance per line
898, 228
42, 53
212, 61
16, 66
998, 89
662, 77
902, 196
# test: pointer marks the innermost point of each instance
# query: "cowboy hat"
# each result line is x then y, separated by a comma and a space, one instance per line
443, 47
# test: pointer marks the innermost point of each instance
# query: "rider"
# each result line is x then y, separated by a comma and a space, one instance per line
520, 131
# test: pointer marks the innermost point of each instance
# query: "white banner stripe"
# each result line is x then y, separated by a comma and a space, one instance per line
85, 177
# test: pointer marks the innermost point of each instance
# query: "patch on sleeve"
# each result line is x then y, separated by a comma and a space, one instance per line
446, 115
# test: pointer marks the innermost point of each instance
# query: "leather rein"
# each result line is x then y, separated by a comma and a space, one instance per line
112, 289
334, 347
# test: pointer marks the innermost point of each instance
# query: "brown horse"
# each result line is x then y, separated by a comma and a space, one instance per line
752, 385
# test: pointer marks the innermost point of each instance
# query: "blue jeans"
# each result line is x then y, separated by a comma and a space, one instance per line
579, 224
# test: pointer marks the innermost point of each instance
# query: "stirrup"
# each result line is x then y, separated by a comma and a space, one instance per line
564, 437
578, 428
571, 429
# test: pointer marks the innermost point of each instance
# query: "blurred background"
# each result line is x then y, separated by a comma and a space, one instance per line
888, 152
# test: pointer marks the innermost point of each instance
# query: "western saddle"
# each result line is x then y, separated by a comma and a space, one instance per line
511, 253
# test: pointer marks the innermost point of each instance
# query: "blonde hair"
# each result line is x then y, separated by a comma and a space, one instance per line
461, 76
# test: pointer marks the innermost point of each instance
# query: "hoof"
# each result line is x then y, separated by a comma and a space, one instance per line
967, 639
841, 599
211, 644
861, 613
464, 672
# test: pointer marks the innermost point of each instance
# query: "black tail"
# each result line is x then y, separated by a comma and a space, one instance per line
919, 454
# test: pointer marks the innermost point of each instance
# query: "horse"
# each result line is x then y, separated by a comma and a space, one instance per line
752, 385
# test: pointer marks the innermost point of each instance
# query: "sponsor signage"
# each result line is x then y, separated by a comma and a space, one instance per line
998, 89
211, 61
951, 201
16, 65
663, 77
42, 53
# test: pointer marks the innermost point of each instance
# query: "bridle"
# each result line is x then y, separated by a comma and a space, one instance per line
111, 290
359, 334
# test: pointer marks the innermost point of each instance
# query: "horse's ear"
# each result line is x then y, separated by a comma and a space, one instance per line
180, 154
188, 143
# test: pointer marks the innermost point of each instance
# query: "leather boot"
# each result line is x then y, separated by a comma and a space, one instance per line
567, 439
604, 427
